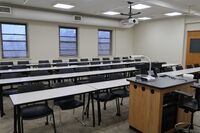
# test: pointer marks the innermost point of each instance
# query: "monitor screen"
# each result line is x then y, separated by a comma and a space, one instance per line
195, 45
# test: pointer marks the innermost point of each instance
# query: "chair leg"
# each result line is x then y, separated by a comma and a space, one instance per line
122, 101
54, 124
47, 120
192, 117
88, 106
83, 106
22, 125
104, 105
118, 107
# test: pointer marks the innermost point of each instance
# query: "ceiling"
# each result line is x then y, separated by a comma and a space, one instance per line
96, 7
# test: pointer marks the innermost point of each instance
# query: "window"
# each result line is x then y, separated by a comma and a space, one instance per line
104, 42
68, 41
13, 40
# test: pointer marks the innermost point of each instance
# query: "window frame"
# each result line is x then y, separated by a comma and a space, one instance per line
61, 41
26, 36
111, 42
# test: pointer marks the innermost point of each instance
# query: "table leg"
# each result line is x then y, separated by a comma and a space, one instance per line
15, 119
93, 113
1, 102
99, 109
18, 119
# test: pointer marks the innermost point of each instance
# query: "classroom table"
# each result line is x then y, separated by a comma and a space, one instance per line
55, 77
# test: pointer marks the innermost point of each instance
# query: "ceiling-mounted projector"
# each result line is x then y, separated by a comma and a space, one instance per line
130, 21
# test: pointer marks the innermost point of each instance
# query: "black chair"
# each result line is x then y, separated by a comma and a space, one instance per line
6, 63
189, 104
35, 110
23, 62
167, 69
73, 61
82, 80
95, 59
116, 58
106, 60
125, 58
60, 64
43, 61
20, 67
84, 59
116, 61
57, 61
118, 66
196, 74
103, 95
68, 102
95, 62
196, 65
67, 70
11, 90
39, 73
189, 66
119, 92
43, 65
4, 67
104, 67
179, 67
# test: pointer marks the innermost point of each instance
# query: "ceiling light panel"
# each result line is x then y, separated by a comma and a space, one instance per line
144, 18
173, 14
63, 6
111, 13
140, 6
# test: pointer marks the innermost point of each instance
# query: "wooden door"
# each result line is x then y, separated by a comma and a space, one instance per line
191, 56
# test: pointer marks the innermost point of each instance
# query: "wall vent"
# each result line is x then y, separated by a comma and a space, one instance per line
5, 10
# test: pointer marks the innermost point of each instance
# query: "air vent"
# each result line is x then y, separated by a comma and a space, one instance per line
5, 10
77, 18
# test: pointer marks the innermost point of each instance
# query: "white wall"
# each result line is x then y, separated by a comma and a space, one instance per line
161, 40
43, 40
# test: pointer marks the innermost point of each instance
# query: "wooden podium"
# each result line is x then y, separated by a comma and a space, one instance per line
146, 102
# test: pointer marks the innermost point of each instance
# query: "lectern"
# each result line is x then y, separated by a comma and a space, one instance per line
153, 105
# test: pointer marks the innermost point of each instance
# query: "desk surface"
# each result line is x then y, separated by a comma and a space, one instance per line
36, 96
163, 82
62, 76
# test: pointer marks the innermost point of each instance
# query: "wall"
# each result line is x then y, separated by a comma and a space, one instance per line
161, 40
43, 40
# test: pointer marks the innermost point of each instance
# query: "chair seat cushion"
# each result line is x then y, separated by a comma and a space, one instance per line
11, 91
69, 104
191, 106
35, 111
104, 96
120, 93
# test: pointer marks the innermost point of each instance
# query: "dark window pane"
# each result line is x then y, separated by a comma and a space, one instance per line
104, 42
68, 42
14, 40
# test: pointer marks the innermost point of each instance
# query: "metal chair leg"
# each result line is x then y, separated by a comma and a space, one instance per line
54, 124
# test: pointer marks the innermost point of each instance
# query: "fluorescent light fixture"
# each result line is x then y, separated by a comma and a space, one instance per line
140, 6
144, 18
63, 6
111, 13
173, 14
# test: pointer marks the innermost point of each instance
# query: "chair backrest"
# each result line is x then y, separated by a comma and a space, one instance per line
11, 75
83, 63
106, 59
137, 59
189, 66
6, 63
60, 64
167, 69
114, 76
31, 87
23, 62
197, 96
57, 61
97, 78
118, 66
125, 58
95, 59
106, 62
196, 65
95, 62
38, 73
104, 67
82, 69
179, 67
73, 60
116, 58
4, 67
84, 59
41, 65
43, 61
116, 61
68, 70
19, 67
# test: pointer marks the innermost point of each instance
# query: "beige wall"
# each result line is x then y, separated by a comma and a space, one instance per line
161, 40
43, 40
